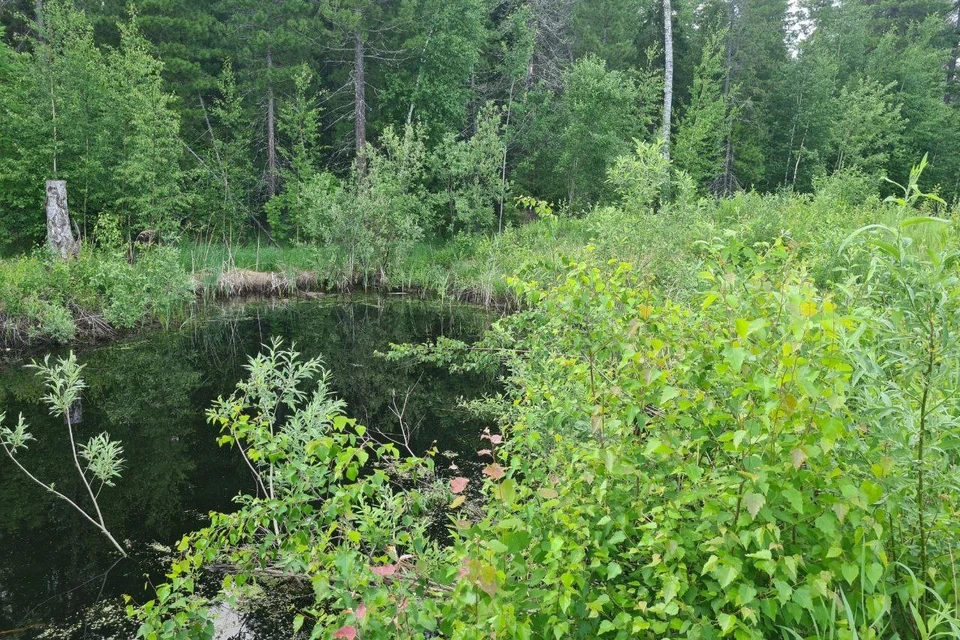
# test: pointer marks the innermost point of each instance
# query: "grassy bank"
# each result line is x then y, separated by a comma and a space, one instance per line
101, 292
94, 296
474, 268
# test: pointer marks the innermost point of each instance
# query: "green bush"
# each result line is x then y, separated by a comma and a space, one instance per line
665, 470
373, 218
42, 298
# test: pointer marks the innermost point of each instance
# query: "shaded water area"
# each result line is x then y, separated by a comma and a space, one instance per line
58, 574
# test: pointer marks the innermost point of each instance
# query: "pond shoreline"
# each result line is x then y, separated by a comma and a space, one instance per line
235, 285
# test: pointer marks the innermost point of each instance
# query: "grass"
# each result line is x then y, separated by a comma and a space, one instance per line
41, 300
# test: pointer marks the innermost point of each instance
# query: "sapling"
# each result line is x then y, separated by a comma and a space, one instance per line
101, 457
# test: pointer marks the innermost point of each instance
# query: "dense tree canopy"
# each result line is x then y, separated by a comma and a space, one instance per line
195, 116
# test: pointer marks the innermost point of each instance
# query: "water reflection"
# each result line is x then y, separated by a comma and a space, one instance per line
151, 393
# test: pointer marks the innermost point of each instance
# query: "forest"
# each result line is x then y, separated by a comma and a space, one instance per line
716, 244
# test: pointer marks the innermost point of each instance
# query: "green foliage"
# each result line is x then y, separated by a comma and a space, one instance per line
702, 129
148, 169
98, 119
18, 198
102, 455
376, 215
299, 123
225, 181
327, 510
669, 470
470, 175
640, 179
868, 129
584, 129
446, 43
42, 299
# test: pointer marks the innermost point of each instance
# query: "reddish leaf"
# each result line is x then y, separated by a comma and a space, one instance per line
361, 612
457, 485
487, 579
496, 439
347, 633
494, 471
385, 570
485, 452
464, 570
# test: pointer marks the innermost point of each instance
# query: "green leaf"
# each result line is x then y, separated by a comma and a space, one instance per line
727, 623
912, 222
794, 497
669, 393
754, 502
850, 572
710, 564
507, 491
735, 357
803, 597
726, 575
873, 572
613, 570
871, 491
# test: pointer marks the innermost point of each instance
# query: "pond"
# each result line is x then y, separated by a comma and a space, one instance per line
59, 577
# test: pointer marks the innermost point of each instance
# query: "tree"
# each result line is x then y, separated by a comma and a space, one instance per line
270, 40
608, 29
71, 89
22, 160
578, 134
378, 212
226, 177
667, 78
469, 174
359, 28
705, 119
868, 129
299, 129
436, 87
954, 56
151, 149
548, 23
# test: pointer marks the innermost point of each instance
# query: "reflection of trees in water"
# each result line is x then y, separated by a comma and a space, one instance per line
152, 392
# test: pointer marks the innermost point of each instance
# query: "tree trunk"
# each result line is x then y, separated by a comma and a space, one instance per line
667, 76
271, 132
728, 179
359, 101
952, 63
59, 234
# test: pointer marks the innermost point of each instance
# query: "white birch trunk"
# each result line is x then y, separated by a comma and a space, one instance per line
667, 76
59, 232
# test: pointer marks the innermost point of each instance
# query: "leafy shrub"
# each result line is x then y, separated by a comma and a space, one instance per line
848, 187
45, 296
376, 215
469, 174
325, 514
639, 179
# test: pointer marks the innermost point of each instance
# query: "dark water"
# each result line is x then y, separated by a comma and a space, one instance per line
57, 571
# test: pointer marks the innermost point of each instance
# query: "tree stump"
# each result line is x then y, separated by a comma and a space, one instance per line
59, 232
